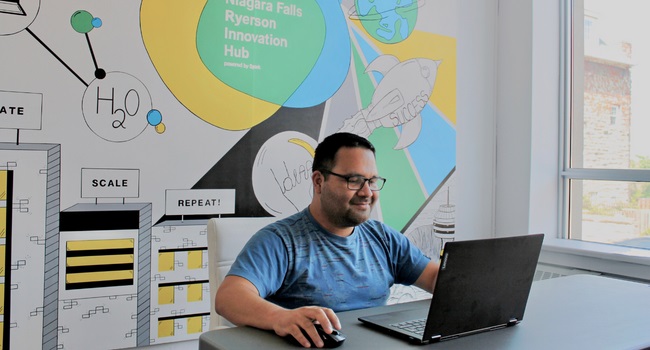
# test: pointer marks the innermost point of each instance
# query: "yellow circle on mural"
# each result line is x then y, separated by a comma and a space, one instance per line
169, 30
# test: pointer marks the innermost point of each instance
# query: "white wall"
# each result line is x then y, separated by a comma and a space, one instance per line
508, 104
545, 137
528, 66
514, 60
476, 117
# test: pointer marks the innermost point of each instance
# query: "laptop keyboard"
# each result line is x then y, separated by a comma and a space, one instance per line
414, 326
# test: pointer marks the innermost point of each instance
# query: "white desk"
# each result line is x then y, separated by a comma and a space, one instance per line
574, 312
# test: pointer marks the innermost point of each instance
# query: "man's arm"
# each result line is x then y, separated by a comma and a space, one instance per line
428, 277
240, 303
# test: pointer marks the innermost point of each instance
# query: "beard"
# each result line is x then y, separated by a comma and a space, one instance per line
346, 215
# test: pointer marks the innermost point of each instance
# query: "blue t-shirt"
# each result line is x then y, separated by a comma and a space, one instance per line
295, 262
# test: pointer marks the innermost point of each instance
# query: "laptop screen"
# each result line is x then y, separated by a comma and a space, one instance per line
482, 284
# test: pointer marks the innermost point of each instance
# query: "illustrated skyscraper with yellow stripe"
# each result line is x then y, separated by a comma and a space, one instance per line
6, 182
29, 232
99, 263
180, 281
105, 267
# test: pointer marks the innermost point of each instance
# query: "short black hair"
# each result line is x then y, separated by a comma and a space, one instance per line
326, 150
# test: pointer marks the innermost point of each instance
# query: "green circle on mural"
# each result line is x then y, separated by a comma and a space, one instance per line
264, 50
82, 21
387, 21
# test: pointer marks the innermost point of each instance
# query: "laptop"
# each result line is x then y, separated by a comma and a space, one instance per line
482, 285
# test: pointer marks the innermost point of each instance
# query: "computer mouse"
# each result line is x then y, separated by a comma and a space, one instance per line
332, 340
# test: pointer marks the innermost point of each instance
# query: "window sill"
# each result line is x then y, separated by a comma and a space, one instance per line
604, 258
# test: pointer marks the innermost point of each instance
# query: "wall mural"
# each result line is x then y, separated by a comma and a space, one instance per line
125, 125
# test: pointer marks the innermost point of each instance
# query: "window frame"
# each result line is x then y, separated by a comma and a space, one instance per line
572, 108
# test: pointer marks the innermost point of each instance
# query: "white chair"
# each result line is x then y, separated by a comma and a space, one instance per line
226, 238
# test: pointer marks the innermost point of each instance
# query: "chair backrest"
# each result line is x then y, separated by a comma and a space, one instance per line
226, 238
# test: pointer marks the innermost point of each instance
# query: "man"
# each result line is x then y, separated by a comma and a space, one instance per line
329, 257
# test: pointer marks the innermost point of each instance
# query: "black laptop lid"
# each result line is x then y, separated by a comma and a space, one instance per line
482, 284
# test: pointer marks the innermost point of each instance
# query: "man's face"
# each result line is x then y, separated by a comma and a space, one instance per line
344, 207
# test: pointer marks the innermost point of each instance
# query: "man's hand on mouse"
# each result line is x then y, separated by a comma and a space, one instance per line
290, 322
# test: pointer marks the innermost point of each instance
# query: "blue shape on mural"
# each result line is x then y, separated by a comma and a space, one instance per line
332, 65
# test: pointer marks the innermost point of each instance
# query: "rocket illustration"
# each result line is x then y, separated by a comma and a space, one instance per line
398, 99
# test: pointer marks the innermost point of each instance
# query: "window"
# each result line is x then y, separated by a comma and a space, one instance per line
606, 150
614, 113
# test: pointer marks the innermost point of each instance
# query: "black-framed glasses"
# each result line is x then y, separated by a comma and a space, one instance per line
356, 182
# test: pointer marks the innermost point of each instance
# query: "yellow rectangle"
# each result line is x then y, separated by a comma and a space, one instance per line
3, 221
165, 295
100, 244
195, 292
195, 324
2, 299
2, 259
195, 259
165, 328
165, 261
3, 185
98, 276
99, 260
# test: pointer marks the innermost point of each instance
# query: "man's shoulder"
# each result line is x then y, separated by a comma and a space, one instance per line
285, 226
371, 228
378, 229
288, 221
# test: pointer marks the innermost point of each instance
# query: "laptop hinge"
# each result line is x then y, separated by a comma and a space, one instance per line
435, 338
512, 322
